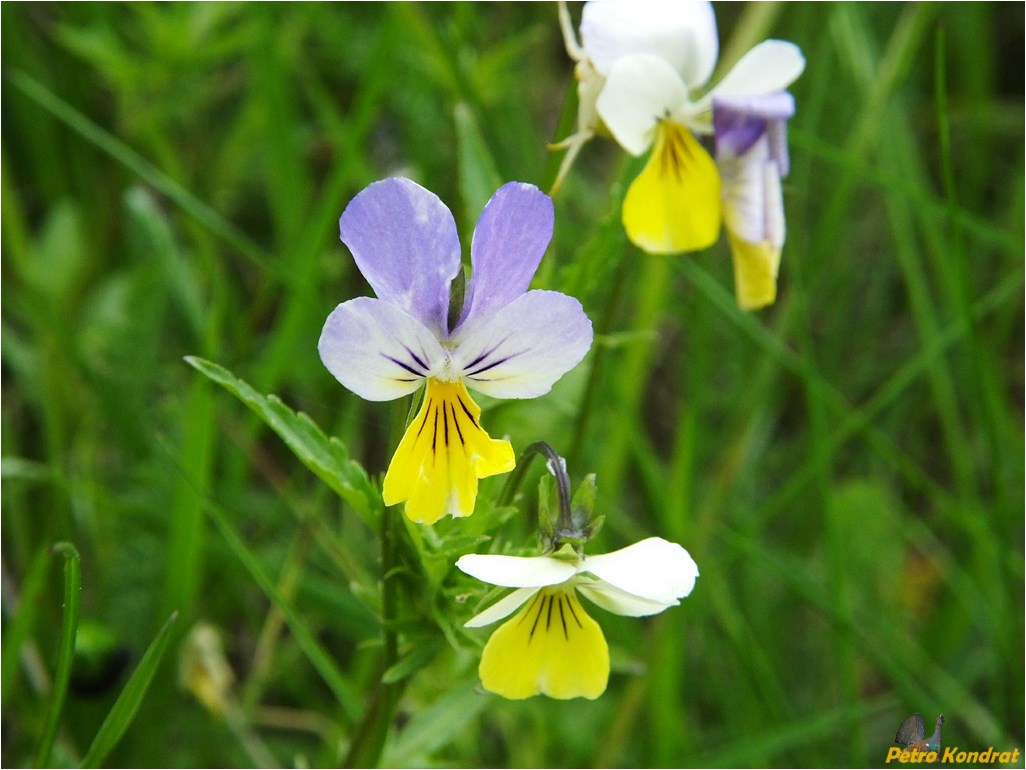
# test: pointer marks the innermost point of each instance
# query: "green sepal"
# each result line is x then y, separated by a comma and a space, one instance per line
584, 527
583, 503
548, 509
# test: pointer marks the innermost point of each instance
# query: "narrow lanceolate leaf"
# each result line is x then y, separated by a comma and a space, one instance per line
434, 727
421, 656
65, 652
326, 457
127, 704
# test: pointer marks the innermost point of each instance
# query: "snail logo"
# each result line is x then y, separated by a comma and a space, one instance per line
912, 730
917, 748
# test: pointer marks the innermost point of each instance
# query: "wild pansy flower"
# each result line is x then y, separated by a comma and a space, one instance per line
552, 646
751, 154
505, 342
645, 66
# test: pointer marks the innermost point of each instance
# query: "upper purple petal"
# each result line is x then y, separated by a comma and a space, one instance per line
404, 241
510, 238
739, 121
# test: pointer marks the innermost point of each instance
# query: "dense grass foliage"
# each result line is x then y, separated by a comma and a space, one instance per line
846, 467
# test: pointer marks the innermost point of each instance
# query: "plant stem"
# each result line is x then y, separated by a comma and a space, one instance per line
369, 739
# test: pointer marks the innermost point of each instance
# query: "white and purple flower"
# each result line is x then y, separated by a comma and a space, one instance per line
507, 342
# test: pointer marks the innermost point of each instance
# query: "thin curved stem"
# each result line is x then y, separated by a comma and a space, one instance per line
557, 465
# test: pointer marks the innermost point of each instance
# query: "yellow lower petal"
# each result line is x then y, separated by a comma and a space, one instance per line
674, 204
550, 647
755, 272
442, 455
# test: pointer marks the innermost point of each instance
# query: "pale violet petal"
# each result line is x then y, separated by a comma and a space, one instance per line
776, 134
681, 33
404, 241
523, 349
377, 350
510, 238
771, 66
640, 90
753, 206
619, 602
506, 606
653, 569
517, 571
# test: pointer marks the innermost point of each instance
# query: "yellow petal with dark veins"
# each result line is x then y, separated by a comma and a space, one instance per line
674, 204
442, 455
551, 647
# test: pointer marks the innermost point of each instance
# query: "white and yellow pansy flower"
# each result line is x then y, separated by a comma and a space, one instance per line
649, 64
552, 646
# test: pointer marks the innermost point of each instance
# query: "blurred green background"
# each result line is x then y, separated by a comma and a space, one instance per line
846, 467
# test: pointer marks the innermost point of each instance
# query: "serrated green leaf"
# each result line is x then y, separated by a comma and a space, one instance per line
127, 704
326, 457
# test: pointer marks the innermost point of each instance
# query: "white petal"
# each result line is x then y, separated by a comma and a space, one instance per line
681, 33
611, 598
520, 351
654, 569
640, 89
378, 350
507, 605
517, 571
771, 66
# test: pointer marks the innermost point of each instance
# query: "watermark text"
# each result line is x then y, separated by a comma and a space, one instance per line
952, 755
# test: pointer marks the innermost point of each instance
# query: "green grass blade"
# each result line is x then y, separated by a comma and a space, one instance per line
65, 652
129, 158
127, 704
23, 621
766, 746
317, 655
478, 175
326, 457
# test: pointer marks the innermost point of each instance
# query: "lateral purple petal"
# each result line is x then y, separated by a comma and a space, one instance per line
510, 238
404, 241
739, 121
520, 351
377, 350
